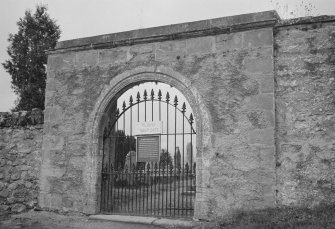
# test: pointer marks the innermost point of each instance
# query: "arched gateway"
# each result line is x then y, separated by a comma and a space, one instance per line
145, 133
96, 159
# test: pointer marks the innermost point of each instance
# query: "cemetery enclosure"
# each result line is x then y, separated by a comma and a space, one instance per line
261, 139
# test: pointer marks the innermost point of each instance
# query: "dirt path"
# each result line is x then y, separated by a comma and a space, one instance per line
49, 220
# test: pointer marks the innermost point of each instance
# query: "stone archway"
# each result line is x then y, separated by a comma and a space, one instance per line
117, 86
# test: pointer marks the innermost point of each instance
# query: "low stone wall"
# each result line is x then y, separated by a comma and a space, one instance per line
20, 160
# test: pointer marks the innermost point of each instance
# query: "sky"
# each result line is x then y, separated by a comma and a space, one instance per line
84, 18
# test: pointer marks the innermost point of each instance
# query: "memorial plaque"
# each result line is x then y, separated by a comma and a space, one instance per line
142, 128
148, 148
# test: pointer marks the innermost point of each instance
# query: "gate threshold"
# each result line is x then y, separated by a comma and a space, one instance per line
162, 222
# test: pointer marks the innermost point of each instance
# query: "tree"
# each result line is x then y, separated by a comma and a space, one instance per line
165, 159
124, 144
27, 50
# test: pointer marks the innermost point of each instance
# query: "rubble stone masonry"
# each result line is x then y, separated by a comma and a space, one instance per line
305, 111
20, 160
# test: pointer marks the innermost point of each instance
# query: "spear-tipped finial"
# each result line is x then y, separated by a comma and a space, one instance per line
183, 109
175, 101
191, 119
145, 95
117, 112
124, 105
159, 95
138, 97
131, 100
167, 97
152, 94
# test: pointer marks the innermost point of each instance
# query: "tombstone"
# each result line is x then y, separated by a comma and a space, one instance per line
130, 160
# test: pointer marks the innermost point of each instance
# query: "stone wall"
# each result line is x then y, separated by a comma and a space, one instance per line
20, 160
223, 66
262, 92
305, 106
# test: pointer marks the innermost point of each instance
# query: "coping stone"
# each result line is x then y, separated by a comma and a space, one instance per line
142, 35
161, 222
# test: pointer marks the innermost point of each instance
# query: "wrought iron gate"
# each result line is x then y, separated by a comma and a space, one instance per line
137, 181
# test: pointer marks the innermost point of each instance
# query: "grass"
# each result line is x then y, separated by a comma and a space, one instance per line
322, 216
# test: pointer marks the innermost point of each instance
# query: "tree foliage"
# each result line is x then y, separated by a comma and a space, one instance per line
124, 144
27, 50
165, 159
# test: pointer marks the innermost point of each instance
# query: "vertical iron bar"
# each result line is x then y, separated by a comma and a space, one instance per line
187, 187
183, 168
191, 166
108, 164
112, 188
136, 180
170, 183
167, 187
147, 176
143, 192
150, 182
130, 150
162, 175
115, 162
152, 119
138, 106
102, 172
145, 105
159, 166
152, 104
155, 173
123, 147
138, 120
175, 154
167, 146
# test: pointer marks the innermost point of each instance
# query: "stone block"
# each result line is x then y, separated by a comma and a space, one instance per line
141, 53
87, 59
31, 203
67, 202
13, 186
2, 185
170, 51
53, 115
58, 62
262, 137
112, 56
258, 38
201, 45
4, 208
4, 193
230, 41
261, 65
18, 208
16, 176
53, 142
261, 102
261, 119
267, 84
28, 184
